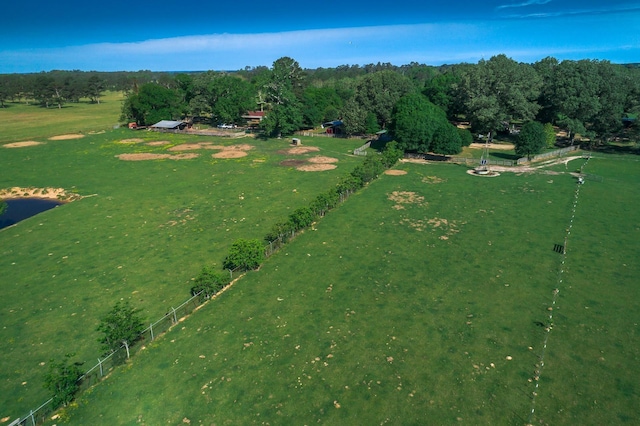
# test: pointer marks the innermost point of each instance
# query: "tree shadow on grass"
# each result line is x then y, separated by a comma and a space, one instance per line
617, 149
504, 156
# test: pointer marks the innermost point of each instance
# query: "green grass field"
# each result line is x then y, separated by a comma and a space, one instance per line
387, 314
421, 300
145, 229
21, 122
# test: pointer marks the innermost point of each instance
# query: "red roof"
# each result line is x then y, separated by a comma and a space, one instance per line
255, 113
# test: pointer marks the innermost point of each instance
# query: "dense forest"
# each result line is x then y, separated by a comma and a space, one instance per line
416, 102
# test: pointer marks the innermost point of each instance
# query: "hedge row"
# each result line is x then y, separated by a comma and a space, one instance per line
247, 255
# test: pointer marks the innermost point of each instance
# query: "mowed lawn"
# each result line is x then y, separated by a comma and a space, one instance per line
142, 232
422, 300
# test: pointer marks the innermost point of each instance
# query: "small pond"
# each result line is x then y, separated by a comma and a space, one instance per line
23, 208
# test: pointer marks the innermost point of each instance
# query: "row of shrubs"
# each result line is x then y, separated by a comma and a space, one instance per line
124, 325
248, 254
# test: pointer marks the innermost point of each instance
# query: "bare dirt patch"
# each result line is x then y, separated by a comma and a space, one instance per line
404, 197
395, 172
185, 147
316, 167
322, 160
48, 193
158, 143
498, 146
444, 226
143, 156
241, 147
187, 156
297, 150
432, 179
66, 137
132, 140
22, 144
230, 153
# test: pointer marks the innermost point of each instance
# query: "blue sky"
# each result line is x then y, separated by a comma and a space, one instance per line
167, 35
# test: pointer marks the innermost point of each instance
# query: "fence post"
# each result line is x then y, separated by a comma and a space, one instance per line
33, 420
151, 329
231, 274
175, 318
100, 364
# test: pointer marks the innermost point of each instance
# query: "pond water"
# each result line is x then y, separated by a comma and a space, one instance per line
23, 208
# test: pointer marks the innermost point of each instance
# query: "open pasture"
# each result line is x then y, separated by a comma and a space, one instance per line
21, 122
141, 232
425, 299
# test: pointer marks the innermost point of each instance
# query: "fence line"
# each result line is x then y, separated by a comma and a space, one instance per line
362, 150
550, 154
322, 135
175, 315
461, 160
105, 365
550, 310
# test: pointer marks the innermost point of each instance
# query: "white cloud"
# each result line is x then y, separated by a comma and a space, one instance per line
523, 39
524, 4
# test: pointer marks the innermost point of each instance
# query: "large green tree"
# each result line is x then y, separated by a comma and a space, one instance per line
94, 88
416, 121
531, 140
496, 92
230, 98
151, 104
284, 112
379, 92
586, 97
320, 104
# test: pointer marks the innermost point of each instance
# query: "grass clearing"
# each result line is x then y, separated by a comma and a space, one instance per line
373, 317
143, 231
423, 298
21, 122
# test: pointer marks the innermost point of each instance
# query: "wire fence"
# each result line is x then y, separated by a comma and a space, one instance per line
106, 365
477, 161
548, 326
362, 150
550, 154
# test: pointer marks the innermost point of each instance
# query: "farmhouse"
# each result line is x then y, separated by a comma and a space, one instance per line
253, 118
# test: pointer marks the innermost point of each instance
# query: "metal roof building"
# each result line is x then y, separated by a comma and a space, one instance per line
169, 125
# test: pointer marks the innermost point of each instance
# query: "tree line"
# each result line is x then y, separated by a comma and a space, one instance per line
587, 97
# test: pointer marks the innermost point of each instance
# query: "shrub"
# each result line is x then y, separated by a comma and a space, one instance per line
391, 154
209, 282
446, 140
550, 135
244, 255
301, 218
120, 326
62, 380
466, 137
280, 231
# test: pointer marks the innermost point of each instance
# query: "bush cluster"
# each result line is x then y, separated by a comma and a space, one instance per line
304, 217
